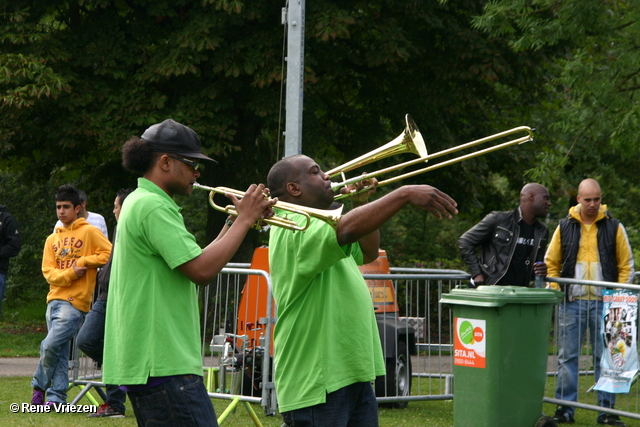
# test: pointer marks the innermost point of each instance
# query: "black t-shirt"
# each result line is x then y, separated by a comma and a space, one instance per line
516, 274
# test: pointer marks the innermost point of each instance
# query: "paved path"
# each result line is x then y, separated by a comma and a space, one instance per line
26, 366
18, 366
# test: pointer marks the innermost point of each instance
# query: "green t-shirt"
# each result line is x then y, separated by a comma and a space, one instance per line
152, 325
326, 335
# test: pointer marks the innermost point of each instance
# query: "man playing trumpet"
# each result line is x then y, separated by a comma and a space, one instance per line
152, 334
323, 372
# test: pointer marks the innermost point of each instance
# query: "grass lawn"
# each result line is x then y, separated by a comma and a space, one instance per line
20, 335
21, 339
18, 390
22, 330
417, 414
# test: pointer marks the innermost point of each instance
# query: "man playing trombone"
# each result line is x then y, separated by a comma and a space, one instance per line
327, 346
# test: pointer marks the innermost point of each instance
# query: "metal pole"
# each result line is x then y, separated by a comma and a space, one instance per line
293, 17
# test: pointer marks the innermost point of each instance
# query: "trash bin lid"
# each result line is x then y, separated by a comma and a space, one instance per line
498, 296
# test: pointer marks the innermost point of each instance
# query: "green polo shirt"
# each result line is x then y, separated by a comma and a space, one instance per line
152, 325
326, 336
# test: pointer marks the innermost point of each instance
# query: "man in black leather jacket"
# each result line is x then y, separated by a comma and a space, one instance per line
10, 245
512, 243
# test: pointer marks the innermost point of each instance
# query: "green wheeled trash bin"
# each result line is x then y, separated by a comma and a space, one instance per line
501, 341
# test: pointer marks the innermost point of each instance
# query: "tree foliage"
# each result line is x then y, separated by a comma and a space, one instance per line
78, 78
589, 93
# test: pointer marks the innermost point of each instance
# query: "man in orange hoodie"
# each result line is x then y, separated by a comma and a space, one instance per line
72, 255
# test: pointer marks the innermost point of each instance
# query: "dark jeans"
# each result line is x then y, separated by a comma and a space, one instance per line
181, 401
90, 340
354, 406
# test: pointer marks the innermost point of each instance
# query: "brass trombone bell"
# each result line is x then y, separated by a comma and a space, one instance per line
331, 217
409, 141
367, 158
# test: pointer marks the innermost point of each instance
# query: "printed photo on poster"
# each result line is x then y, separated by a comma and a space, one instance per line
619, 363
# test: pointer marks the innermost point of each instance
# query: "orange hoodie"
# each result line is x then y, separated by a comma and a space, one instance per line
80, 242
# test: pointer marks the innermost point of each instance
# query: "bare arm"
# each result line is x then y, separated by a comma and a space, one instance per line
370, 243
225, 228
368, 218
252, 207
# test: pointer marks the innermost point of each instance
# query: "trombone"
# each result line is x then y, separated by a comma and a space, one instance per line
331, 217
410, 141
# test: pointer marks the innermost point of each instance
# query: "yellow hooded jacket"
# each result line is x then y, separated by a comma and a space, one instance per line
587, 262
88, 247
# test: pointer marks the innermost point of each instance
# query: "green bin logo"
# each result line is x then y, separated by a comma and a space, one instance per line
470, 342
466, 332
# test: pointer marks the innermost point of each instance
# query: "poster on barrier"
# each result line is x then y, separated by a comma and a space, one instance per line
619, 363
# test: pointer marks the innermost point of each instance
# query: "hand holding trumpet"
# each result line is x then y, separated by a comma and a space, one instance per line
254, 205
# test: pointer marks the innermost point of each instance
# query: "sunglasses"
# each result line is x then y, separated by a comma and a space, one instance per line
194, 164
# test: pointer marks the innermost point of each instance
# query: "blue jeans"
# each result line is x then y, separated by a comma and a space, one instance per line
182, 401
52, 374
573, 319
354, 405
3, 282
90, 340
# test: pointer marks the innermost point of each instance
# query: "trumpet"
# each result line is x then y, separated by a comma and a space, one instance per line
331, 217
407, 142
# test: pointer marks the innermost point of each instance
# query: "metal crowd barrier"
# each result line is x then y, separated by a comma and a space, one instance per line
627, 404
237, 331
237, 326
235, 348
418, 293
85, 374
238, 316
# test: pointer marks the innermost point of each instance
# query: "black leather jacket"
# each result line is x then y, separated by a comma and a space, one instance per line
9, 239
496, 236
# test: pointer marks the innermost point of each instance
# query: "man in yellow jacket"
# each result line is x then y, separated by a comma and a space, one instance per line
589, 244
71, 257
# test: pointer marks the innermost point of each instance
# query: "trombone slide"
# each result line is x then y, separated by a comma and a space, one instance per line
520, 140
